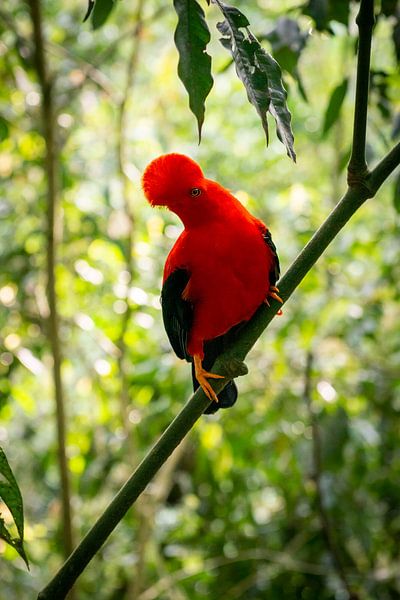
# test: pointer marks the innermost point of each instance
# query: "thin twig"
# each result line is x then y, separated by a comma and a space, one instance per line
51, 167
326, 525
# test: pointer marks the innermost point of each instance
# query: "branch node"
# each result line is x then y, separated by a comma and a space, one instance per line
358, 178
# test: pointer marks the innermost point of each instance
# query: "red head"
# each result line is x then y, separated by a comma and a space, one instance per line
171, 178
177, 182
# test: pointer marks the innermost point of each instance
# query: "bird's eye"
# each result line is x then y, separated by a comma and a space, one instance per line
195, 192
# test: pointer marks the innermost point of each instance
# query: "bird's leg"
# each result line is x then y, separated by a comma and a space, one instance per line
202, 375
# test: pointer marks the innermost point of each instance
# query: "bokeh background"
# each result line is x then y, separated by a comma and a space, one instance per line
261, 501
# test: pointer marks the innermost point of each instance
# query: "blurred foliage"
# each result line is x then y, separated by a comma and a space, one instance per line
237, 515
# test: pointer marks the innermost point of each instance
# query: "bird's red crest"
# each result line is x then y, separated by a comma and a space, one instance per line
169, 176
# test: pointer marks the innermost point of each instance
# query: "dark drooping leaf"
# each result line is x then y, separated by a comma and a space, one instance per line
334, 106
259, 72
101, 12
242, 50
89, 10
277, 106
194, 69
11, 496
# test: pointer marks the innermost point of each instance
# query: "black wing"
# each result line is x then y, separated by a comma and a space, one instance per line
178, 319
275, 269
177, 312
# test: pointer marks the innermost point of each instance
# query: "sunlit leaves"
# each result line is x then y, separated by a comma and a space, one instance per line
11, 496
194, 69
231, 478
334, 106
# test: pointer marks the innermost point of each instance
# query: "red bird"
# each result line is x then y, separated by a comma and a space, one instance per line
220, 270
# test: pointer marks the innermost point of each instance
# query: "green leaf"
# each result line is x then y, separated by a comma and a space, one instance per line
278, 95
242, 50
101, 12
194, 69
11, 496
335, 104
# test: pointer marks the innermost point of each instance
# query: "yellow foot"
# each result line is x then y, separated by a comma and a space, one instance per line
202, 375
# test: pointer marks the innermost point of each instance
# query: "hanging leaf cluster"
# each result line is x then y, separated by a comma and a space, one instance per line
259, 72
256, 68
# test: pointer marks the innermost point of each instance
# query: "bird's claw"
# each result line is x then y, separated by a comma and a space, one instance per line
202, 377
273, 293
